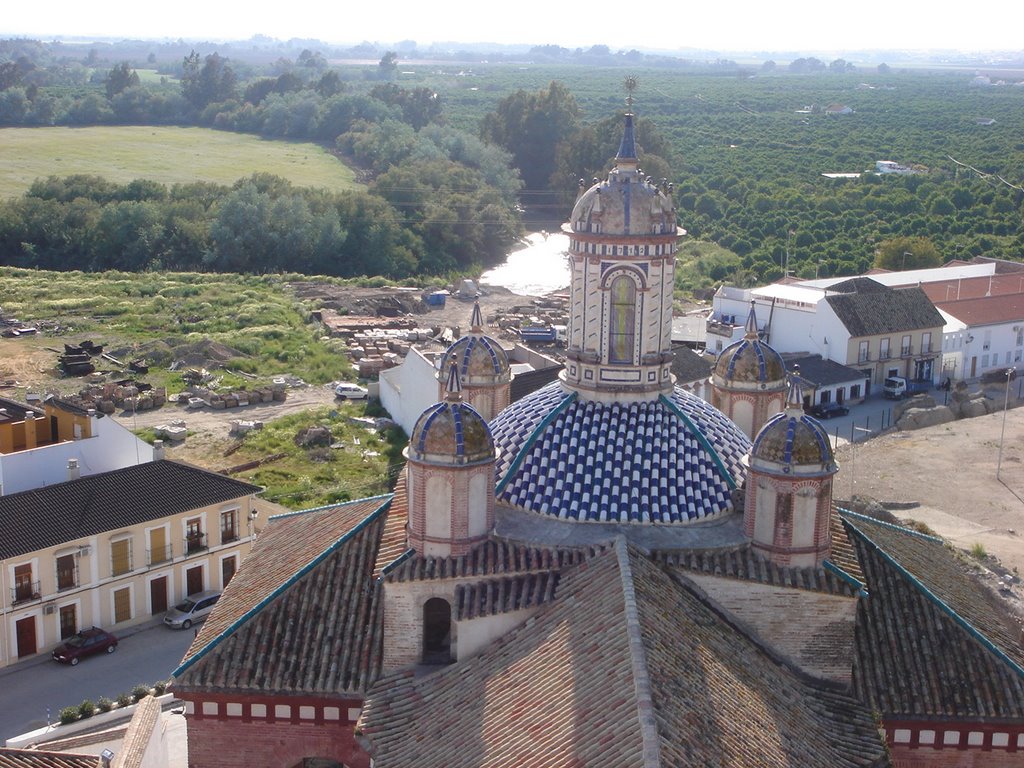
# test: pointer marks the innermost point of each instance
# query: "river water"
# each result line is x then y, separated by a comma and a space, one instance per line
537, 268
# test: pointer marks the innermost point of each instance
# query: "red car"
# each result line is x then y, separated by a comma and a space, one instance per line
85, 643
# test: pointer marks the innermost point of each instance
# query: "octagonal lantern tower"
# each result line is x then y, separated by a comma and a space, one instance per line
622, 244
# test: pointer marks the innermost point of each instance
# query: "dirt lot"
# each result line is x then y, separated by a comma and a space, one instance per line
949, 471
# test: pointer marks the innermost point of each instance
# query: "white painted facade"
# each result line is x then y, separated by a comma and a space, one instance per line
110, 447
407, 390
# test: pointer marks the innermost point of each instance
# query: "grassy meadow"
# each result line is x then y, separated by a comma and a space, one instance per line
165, 154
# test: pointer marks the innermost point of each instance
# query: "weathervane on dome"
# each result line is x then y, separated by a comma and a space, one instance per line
631, 83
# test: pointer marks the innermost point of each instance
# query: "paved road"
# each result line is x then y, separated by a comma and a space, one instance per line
28, 688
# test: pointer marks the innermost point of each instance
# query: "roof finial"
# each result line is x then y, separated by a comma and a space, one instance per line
631, 83
751, 325
795, 396
476, 322
453, 392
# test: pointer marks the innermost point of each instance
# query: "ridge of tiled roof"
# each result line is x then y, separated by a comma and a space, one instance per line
557, 693
393, 541
842, 558
278, 626
931, 640
891, 310
493, 557
63, 512
36, 758
512, 593
625, 667
724, 699
745, 565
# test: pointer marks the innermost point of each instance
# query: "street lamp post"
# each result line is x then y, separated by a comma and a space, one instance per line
853, 456
1002, 432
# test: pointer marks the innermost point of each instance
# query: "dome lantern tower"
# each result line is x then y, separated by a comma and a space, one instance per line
622, 243
789, 487
451, 476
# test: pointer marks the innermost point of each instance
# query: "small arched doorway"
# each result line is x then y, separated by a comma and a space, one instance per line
437, 631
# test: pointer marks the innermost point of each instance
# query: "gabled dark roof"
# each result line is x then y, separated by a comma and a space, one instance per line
821, 372
530, 381
15, 411
303, 614
930, 639
688, 366
625, 667
889, 310
49, 516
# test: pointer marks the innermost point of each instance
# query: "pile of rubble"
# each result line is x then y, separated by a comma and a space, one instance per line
197, 397
378, 349
129, 395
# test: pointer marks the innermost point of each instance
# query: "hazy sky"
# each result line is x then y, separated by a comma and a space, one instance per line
733, 26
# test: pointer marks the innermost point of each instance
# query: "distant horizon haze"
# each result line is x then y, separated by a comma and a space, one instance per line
742, 26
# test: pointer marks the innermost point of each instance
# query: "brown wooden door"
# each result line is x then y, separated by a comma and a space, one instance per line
26, 629
158, 595
194, 580
68, 621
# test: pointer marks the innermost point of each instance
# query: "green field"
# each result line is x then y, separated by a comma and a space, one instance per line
166, 154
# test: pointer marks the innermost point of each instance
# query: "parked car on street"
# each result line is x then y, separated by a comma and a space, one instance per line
828, 410
191, 610
346, 391
88, 642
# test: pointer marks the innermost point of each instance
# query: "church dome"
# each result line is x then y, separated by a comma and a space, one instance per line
627, 202
750, 361
672, 460
792, 441
480, 360
451, 432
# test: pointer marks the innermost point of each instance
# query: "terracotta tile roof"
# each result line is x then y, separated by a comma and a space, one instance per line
31, 758
278, 627
494, 596
626, 667
931, 640
393, 541
843, 557
49, 516
493, 557
745, 565
988, 310
135, 743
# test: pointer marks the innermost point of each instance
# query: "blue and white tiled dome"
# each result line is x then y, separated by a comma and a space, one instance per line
480, 359
750, 361
672, 460
792, 442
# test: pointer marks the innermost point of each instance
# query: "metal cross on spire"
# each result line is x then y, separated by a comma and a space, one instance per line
631, 84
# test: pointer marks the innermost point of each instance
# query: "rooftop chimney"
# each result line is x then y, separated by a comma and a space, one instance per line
73, 471
158, 450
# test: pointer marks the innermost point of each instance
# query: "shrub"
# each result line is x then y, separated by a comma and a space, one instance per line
139, 692
69, 715
160, 687
124, 699
86, 709
103, 704
978, 551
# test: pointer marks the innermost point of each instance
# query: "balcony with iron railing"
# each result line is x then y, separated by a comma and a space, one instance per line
195, 542
67, 577
906, 350
228, 535
159, 555
25, 592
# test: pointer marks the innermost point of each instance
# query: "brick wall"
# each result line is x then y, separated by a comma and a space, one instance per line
227, 731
